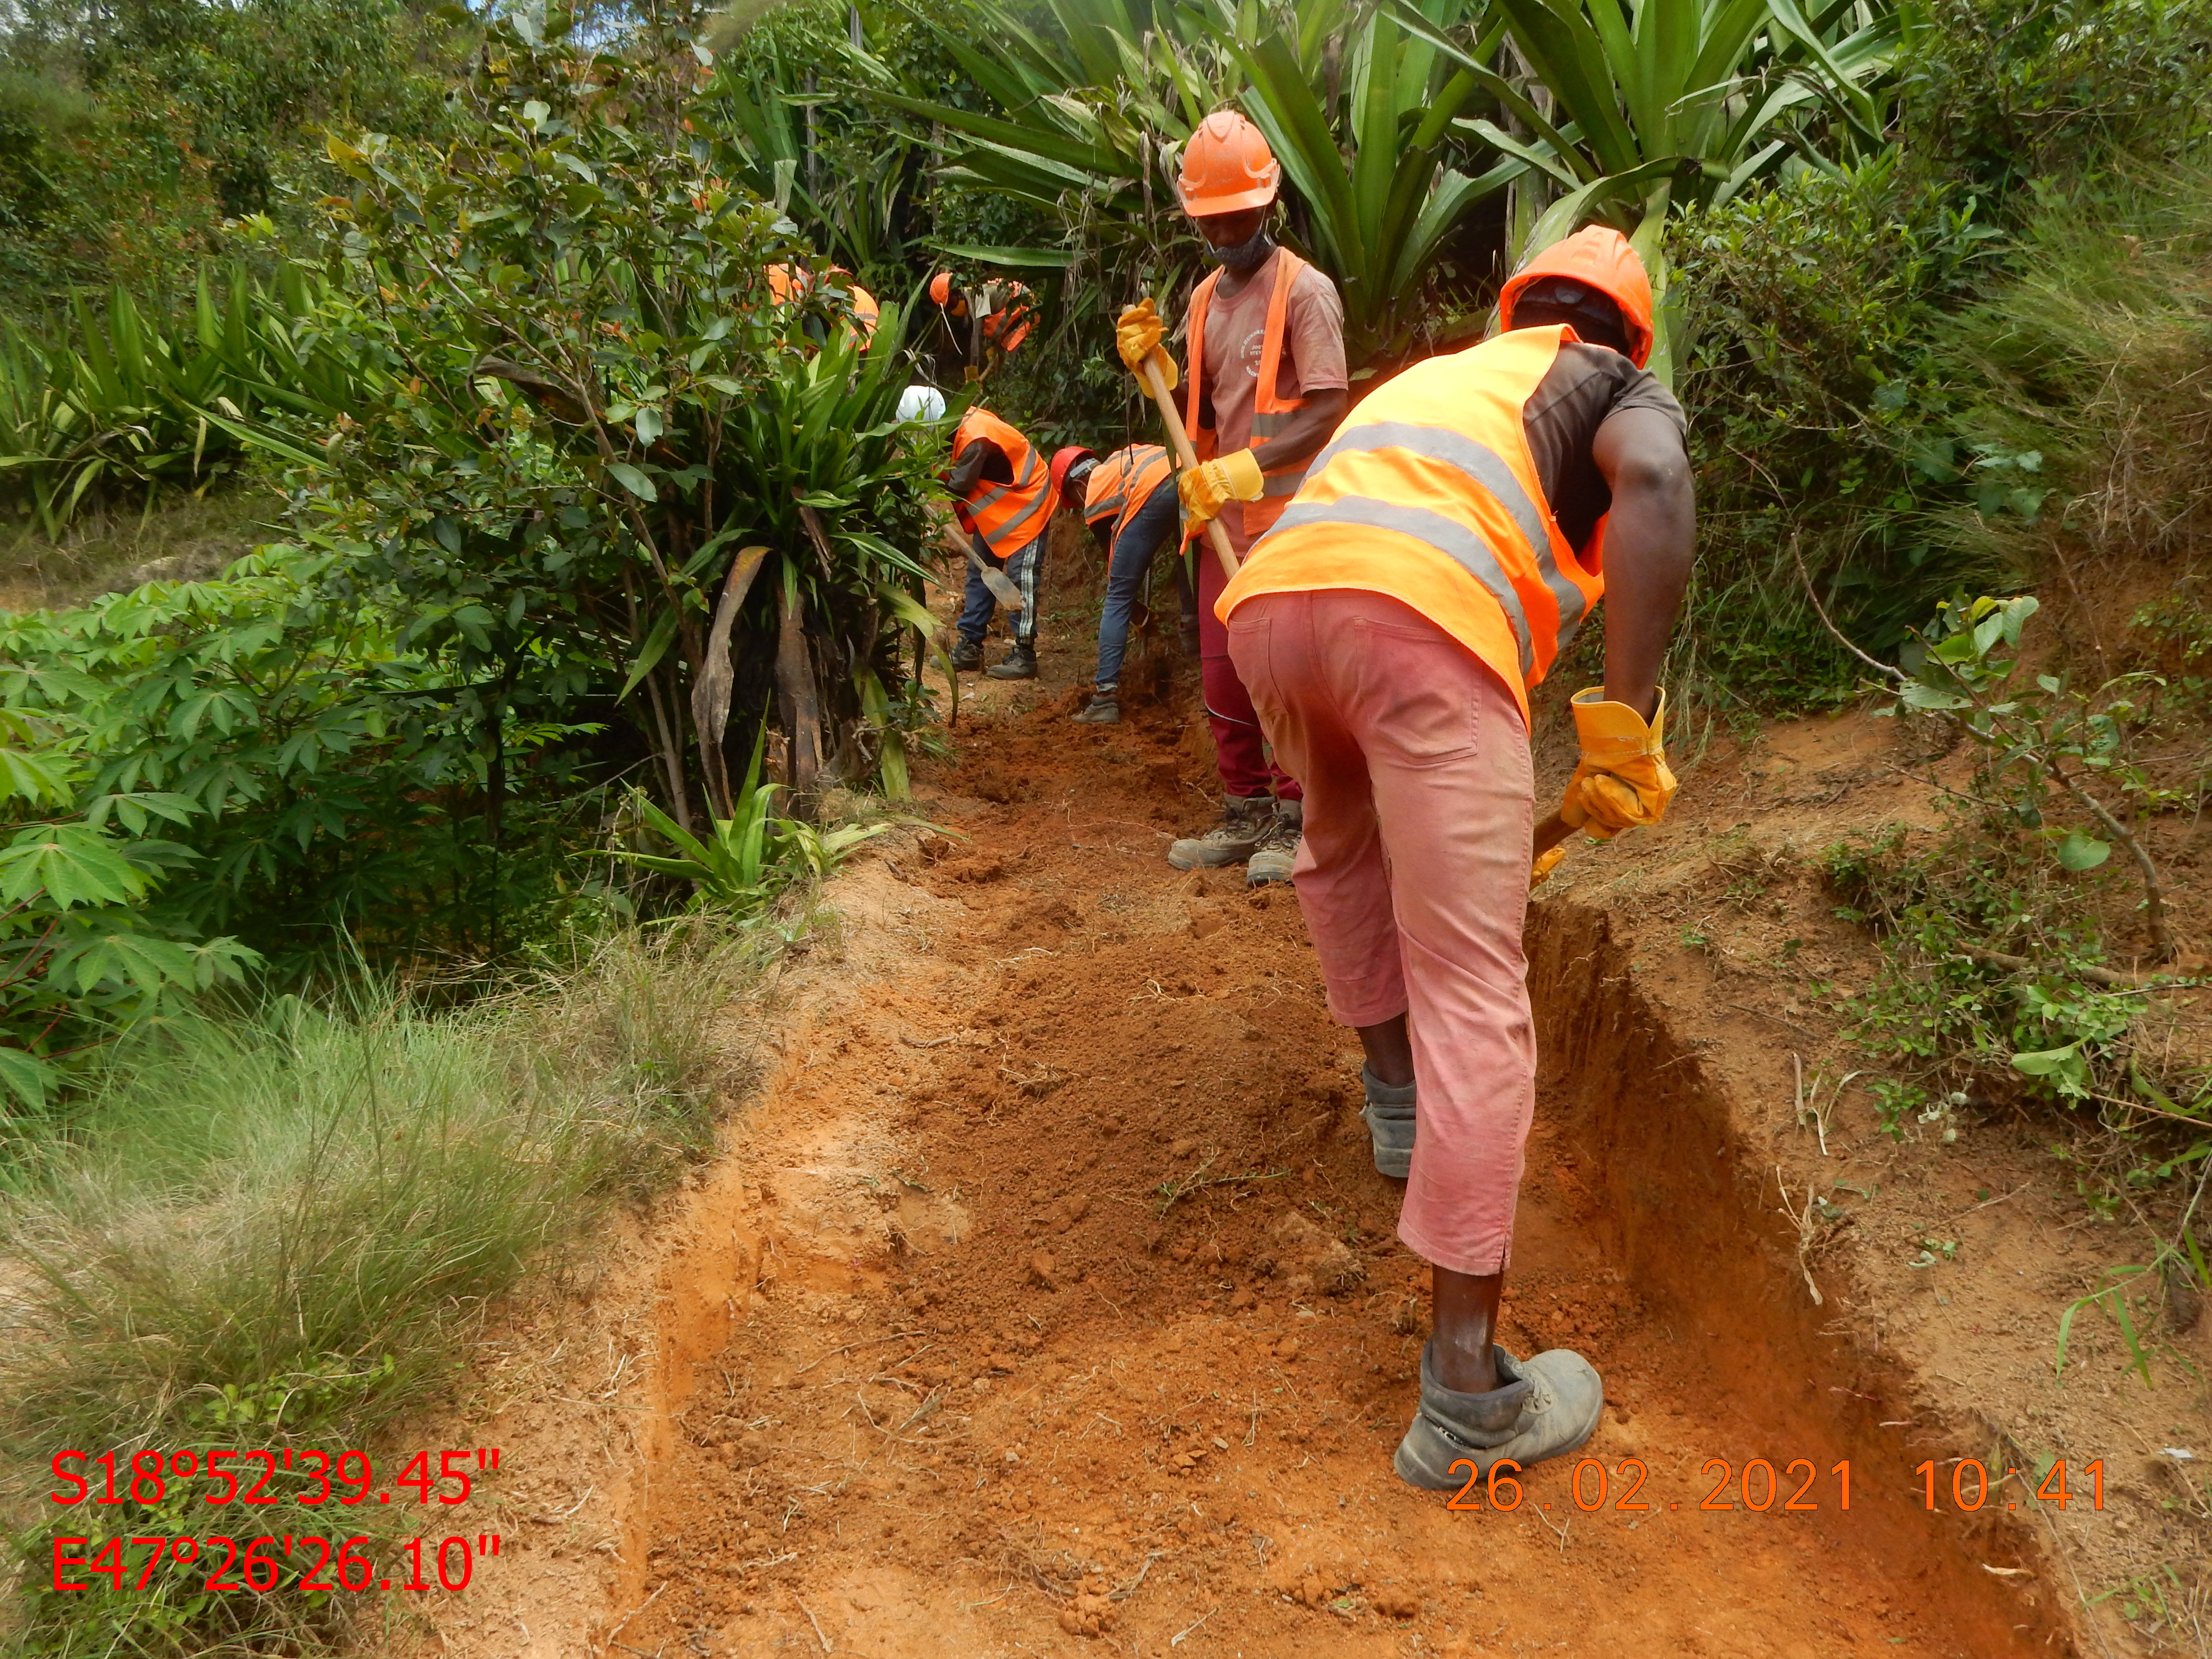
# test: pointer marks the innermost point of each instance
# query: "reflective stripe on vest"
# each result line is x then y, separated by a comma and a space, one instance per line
1270, 414
1440, 455
1124, 482
1488, 471
1008, 516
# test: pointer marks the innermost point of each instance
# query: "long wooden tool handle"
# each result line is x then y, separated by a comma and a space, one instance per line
1215, 535
1550, 833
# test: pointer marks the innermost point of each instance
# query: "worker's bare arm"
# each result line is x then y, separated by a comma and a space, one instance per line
1308, 430
1650, 539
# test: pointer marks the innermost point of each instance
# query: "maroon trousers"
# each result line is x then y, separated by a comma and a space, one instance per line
1240, 748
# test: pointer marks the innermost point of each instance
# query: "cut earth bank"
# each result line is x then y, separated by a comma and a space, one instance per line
1045, 1299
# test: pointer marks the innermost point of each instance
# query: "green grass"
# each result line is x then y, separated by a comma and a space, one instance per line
274, 1231
183, 538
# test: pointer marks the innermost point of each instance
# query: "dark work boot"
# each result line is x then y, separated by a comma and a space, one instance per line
1020, 663
967, 655
1104, 708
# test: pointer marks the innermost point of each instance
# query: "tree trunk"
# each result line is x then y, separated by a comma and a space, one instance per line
671, 752
802, 708
710, 690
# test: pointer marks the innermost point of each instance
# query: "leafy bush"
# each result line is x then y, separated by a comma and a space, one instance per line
259, 1230
137, 137
1998, 95
593, 404
257, 755
1818, 421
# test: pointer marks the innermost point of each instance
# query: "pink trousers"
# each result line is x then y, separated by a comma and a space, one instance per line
1414, 879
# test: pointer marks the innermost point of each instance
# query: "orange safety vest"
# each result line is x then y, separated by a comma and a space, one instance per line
1270, 414
1008, 325
1428, 492
1008, 516
1124, 482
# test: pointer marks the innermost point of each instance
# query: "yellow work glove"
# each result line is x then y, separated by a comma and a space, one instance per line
1546, 863
1137, 337
1212, 485
1623, 782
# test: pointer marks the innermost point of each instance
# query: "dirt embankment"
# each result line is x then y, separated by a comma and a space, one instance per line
1046, 1300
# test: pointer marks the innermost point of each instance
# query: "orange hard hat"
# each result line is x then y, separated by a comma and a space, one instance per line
940, 287
1598, 256
1227, 168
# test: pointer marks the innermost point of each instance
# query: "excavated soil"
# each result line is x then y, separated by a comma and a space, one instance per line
1046, 1300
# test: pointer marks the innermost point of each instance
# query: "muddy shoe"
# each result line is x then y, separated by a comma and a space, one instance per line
1104, 709
1280, 851
1245, 821
1546, 1408
967, 655
1020, 664
1390, 1117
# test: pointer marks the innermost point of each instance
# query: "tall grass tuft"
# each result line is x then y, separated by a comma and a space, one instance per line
272, 1231
2095, 355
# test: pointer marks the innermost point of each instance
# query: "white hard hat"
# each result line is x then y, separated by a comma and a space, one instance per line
922, 402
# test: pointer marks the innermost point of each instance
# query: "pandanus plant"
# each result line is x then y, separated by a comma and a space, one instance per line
124, 402
1382, 116
1091, 117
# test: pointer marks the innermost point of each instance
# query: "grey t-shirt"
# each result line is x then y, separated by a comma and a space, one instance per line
1584, 388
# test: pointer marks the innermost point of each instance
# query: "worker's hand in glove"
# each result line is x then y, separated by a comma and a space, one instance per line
1212, 485
1137, 337
1623, 782
1545, 863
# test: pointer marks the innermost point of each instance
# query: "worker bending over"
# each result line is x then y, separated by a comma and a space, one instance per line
1445, 545
1267, 387
1004, 494
985, 323
1132, 507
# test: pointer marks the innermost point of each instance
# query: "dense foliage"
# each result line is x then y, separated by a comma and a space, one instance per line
135, 136
575, 491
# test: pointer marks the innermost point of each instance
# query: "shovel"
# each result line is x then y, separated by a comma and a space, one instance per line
1001, 585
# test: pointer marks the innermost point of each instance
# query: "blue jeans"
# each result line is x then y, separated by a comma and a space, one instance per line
976, 604
1151, 527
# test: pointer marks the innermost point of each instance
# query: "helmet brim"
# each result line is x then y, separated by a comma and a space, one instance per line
1209, 207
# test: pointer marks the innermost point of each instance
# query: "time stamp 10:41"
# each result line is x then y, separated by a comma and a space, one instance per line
146, 1479
1758, 1486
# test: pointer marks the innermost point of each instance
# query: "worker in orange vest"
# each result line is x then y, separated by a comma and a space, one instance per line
1000, 315
1267, 386
1133, 510
1432, 568
1004, 494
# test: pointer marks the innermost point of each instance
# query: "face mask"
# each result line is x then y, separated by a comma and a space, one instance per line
1247, 255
